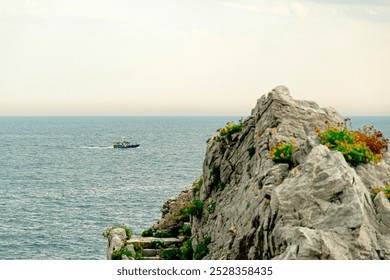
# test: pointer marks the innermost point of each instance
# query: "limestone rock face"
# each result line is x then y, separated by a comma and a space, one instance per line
116, 239
320, 207
170, 221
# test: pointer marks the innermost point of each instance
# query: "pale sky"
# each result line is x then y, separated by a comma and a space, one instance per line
191, 57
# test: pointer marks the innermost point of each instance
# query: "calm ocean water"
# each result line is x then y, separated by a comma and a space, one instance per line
62, 184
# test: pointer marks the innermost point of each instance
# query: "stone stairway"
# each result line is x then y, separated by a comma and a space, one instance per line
153, 247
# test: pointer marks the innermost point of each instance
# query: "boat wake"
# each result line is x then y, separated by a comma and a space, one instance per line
97, 147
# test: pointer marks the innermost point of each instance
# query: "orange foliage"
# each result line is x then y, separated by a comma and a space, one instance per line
353, 144
373, 138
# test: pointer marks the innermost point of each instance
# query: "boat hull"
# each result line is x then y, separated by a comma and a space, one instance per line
126, 146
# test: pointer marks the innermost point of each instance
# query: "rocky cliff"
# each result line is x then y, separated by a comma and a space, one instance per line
317, 206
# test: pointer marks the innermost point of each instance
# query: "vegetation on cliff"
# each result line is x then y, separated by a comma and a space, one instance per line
282, 152
360, 146
226, 133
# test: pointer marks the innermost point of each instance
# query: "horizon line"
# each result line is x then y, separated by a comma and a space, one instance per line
116, 116
174, 115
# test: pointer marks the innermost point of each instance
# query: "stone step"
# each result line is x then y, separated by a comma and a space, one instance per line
150, 252
152, 247
150, 242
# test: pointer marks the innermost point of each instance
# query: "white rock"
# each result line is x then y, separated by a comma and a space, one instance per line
319, 209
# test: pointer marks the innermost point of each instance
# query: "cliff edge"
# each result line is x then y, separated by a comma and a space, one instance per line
316, 205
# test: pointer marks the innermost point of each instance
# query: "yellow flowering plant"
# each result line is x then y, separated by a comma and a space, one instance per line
282, 152
361, 146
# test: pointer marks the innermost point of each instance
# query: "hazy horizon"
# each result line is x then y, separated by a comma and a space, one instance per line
191, 58
165, 116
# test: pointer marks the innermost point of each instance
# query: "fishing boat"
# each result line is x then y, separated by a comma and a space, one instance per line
123, 144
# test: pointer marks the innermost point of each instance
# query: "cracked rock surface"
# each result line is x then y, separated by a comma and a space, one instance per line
320, 207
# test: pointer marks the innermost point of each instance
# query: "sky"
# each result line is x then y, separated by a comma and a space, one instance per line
191, 57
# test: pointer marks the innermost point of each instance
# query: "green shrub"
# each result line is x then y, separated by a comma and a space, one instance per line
185, 230
200, 182
157, 244
355, 153
357, 147
148, 233
195, 208
201, 249
221, 186
212, 207
170, 254
117, 255
282, 152
138, 248
226, 134
187, 252
334, 136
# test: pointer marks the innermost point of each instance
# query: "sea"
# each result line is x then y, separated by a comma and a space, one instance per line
62, 183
